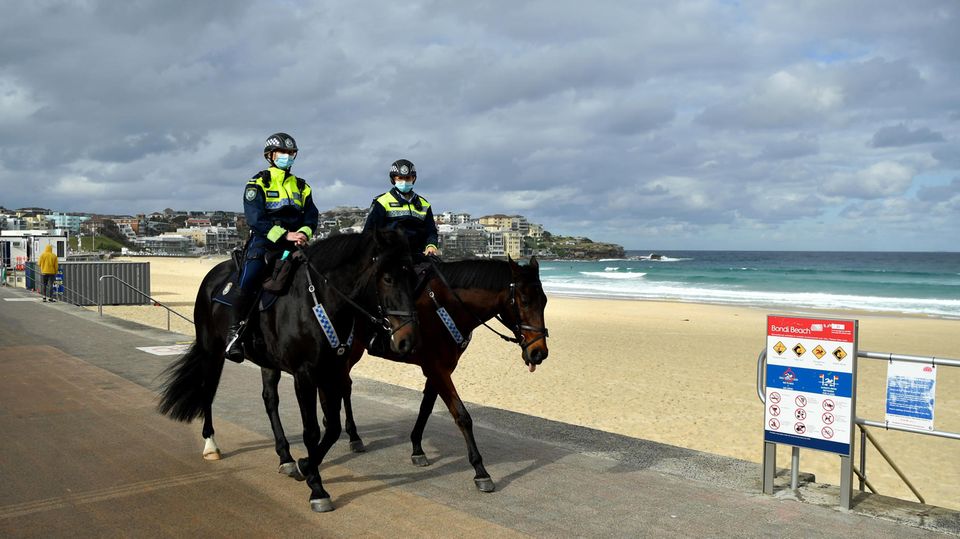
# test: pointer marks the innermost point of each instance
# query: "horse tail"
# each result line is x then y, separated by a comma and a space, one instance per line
189, 386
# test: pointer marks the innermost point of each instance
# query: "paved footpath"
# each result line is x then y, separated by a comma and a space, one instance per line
84, 454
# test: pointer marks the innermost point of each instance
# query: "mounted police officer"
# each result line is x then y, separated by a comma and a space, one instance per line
281, 215
402, 209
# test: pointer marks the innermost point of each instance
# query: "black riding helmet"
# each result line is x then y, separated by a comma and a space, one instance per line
402, 167
279, 141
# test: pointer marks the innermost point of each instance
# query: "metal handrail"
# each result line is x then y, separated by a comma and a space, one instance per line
36, 272
121, 281
863, 475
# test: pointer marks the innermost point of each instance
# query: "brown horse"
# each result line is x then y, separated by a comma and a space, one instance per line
457, 298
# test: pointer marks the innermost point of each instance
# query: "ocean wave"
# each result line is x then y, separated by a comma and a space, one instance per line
612, 275
642, 289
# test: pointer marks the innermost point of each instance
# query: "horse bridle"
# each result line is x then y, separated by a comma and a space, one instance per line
518, 336
383, 320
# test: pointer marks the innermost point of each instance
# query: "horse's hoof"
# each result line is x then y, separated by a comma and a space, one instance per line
321, 505
485, 484
357, 446
210, 449
419, 460
290, 469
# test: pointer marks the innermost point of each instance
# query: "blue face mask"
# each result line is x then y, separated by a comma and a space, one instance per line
403, 187
283, 161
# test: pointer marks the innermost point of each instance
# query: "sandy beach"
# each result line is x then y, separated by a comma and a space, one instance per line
677, 373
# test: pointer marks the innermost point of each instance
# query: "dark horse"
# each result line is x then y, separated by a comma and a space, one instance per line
471, 292
350, 276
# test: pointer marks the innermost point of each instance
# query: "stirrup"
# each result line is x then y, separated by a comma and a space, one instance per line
234, 349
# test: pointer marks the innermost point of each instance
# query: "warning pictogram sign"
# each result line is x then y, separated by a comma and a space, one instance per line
809, 378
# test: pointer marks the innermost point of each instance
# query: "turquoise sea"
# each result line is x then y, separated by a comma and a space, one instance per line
884, 282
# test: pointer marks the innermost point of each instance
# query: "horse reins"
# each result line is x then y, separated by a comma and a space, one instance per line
382, 320
518, 337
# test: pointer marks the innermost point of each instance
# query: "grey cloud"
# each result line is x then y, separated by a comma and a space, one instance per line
940, 192
629, 116
793, 148
901, 135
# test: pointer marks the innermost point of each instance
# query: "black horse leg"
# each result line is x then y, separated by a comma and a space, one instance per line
310, 466
356, 444
416, 435
212, 369
271, 401
463, 420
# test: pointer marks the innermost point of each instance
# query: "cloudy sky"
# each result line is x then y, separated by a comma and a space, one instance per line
821, 125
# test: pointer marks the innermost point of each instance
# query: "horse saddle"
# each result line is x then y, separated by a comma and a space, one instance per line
274, 286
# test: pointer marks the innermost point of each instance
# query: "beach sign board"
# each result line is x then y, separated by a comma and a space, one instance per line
911, 391
810, 383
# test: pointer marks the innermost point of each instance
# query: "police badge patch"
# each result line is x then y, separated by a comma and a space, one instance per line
250, 194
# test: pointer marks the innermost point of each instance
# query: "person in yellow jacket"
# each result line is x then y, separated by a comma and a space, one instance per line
49, 264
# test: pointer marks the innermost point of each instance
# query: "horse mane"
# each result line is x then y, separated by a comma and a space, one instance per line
335, 251
483, 274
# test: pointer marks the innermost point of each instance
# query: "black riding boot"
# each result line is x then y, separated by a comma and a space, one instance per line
238, 320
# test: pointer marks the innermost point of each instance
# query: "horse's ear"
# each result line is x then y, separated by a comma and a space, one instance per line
533, 263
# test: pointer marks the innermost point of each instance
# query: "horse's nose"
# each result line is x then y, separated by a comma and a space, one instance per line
403, 342
538, 355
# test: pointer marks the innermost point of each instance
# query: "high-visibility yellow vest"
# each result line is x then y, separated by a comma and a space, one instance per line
396, 209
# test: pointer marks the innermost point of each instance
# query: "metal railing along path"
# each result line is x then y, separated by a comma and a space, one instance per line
863, 423
153, 300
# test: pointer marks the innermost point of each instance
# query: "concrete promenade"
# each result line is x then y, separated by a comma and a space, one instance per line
83, 453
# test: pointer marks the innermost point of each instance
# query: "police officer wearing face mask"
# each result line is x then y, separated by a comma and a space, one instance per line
402, 209
281, 215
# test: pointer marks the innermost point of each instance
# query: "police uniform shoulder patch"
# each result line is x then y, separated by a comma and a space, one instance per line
250, 194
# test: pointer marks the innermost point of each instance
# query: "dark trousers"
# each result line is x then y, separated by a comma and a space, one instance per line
254, 270
46, 284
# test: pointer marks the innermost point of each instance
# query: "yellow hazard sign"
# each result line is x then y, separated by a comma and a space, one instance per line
819, 352
779, 347
799, 349
839, 353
